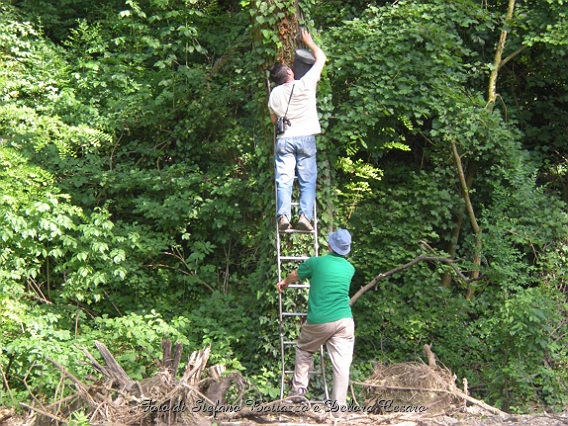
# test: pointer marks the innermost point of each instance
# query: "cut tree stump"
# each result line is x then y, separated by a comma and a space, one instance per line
117, 399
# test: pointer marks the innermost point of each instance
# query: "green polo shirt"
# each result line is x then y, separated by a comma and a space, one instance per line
330, 278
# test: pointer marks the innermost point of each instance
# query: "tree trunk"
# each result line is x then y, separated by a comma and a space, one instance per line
497, 61
471, 213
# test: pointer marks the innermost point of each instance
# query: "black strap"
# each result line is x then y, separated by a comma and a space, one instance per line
289, 99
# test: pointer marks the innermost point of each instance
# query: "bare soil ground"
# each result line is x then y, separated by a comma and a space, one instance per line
469, 416
465, 416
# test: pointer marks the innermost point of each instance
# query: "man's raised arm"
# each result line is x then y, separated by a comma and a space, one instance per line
316, 50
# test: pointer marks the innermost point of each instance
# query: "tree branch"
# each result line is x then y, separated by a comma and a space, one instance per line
414, 261
471, 214
512, 55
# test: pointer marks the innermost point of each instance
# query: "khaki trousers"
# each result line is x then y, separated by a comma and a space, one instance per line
339, 338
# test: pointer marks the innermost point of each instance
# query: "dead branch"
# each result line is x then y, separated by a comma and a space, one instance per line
166, 353
430, 356
82, 389
177, 358
114, 370
555, 417
393, 271
43, 413
94, 363
455, 392
219, 386
195, 366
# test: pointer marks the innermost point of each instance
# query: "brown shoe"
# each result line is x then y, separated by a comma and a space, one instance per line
297, 397
283, 223
304, 224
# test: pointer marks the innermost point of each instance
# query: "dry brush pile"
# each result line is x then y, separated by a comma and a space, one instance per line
117, 399
392, 393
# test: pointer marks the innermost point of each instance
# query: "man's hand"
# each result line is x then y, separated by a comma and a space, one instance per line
316, 50
292, 277
306, 37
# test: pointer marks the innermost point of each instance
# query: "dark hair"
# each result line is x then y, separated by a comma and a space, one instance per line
278, 73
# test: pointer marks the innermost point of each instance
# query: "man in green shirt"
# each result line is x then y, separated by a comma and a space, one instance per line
329, 319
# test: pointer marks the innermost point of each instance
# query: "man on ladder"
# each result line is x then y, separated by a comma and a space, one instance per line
294, 102
329, 319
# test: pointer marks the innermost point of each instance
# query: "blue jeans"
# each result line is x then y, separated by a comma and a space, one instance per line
296, 154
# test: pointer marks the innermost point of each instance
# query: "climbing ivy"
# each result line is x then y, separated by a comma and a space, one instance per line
138, 200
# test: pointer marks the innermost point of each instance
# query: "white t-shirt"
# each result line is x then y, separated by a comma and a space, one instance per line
302, 112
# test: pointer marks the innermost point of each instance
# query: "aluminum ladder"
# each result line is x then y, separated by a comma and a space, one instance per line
288, 259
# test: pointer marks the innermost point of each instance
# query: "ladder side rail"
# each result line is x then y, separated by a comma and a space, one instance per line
299, 285
280, 318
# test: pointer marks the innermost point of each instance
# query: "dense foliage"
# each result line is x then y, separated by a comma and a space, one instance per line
137, 201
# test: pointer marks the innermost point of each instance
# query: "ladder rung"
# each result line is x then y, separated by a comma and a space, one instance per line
299, 286
297, 231
294, 314
288, 342
293, 258
311, 372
